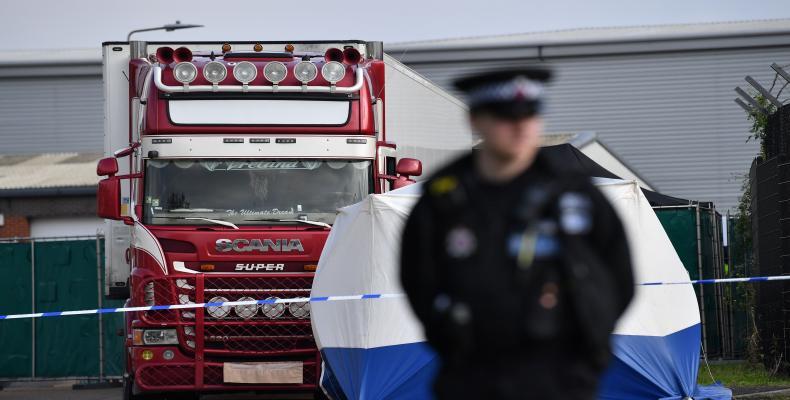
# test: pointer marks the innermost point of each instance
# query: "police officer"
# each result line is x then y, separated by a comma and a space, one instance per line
517, 267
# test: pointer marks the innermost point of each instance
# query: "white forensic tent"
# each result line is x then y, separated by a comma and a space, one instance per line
375, 349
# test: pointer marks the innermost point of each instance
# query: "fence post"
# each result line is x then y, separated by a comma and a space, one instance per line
701, 287
33, 307
99, 303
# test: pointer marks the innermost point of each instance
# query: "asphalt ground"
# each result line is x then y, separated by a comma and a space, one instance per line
64, 391
60, 392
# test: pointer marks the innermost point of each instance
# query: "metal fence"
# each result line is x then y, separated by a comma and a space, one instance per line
696, 234
54, 274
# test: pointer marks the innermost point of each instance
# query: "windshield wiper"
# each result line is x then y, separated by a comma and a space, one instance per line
304, 221
216, 221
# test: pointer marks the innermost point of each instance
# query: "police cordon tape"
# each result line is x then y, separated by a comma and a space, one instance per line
369, 296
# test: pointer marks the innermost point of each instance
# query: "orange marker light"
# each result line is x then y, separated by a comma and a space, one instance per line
206, 267
257, 47
289, 48
226, 47
137, 337
310, 267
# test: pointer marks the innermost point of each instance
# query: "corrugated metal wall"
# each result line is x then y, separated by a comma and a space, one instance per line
51, 114
668, 115
671, 116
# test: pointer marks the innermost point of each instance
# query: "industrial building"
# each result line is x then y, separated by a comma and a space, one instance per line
660, 98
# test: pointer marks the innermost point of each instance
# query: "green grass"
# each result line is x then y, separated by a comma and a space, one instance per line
740, 374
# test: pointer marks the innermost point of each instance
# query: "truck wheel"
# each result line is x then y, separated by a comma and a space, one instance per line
128, 393
319, 395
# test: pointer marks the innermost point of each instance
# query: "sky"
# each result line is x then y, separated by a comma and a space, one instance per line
59, 24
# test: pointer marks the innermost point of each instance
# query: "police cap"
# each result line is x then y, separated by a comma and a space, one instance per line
505, 93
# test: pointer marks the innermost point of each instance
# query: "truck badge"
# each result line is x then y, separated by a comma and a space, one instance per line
265, 245
258, 267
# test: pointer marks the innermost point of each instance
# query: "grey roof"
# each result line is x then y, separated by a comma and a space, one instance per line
50, 56
48, 171
603, 35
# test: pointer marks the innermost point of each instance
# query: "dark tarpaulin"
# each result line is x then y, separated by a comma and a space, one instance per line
572, 158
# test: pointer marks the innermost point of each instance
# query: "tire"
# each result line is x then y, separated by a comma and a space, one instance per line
128, 389
319, 395
128, 393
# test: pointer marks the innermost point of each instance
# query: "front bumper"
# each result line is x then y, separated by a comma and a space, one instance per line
183, 373
207, 342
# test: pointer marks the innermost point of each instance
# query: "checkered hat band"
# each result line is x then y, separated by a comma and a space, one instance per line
519, 89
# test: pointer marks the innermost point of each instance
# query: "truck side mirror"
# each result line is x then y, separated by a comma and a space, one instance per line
408, 167
107, 167
108, 198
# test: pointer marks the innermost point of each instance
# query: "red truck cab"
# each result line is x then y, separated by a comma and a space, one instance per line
227, 176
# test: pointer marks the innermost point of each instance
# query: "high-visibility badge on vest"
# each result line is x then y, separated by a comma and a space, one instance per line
443, 185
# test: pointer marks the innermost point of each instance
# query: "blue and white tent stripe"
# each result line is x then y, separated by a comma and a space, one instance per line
367, 296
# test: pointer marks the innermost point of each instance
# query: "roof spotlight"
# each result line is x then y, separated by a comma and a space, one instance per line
245, 72
305, 71
215, 72
275, 72
333, 71
185, 72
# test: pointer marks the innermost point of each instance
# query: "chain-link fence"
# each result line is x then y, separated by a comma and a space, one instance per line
56, 274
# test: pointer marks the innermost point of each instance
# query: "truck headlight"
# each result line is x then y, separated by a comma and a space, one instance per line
218, 312
246, 311
300, 310
215, 71
155, 337
273, 311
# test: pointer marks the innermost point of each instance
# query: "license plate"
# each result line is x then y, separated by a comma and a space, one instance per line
264, 372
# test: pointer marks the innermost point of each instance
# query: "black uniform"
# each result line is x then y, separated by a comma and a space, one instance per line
518, 285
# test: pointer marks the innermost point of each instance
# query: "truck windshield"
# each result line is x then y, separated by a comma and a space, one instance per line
259, 192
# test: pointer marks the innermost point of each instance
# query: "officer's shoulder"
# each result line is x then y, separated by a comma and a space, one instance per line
448, 178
